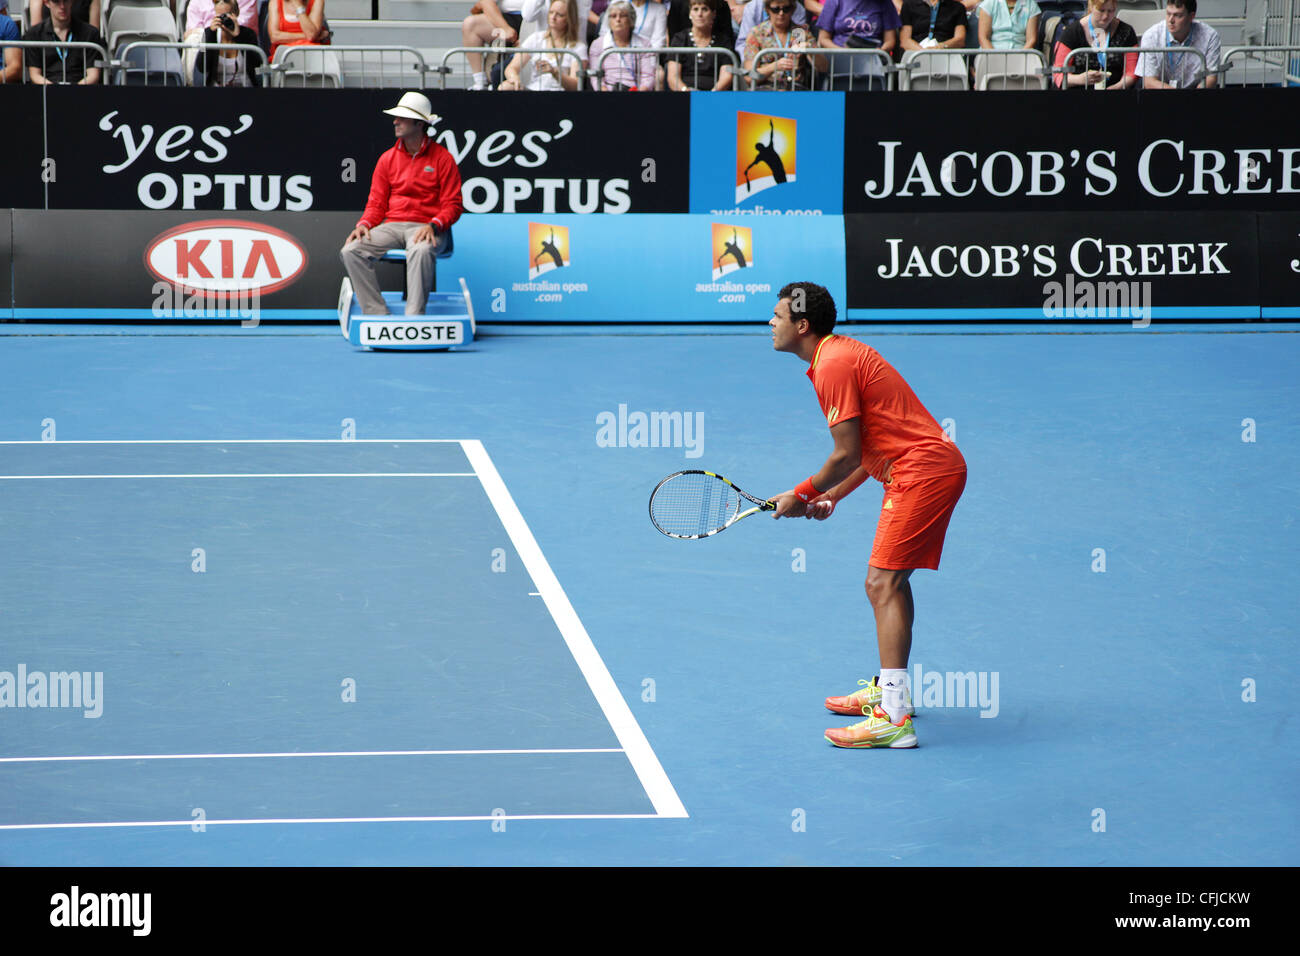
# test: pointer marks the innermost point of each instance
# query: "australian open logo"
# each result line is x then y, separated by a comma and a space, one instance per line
765, 153
733, 249
548, 248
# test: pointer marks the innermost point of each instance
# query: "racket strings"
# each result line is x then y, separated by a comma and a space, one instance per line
694, 505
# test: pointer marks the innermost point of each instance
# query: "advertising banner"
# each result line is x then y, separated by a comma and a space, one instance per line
640, 268
192, 267
23, 170
174, 266
1021, 151
1279, 266
755, 154
6, 256
1087, 266
234, 150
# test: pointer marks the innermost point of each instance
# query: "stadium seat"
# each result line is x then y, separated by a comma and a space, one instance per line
933, 72
151, 66
309, 66
1009, 72
127, 23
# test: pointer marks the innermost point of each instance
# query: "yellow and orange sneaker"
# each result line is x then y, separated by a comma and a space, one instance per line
876, 731
862, 700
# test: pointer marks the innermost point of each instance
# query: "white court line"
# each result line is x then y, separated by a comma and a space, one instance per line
644, 762
324, 753
446, 819
286, 474
238, 441
648, 769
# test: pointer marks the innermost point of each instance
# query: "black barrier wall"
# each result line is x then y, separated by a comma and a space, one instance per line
307, 150
1225, 150
1053, 265
957, 205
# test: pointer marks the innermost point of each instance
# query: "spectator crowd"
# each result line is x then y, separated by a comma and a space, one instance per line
648, 45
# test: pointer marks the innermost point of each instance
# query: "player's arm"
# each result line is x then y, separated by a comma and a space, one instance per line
844, 461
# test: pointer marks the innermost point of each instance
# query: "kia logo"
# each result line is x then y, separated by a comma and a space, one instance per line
226, 256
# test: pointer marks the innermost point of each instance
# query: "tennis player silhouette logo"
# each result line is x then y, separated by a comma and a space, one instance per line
765, 153
733, 249
552, 248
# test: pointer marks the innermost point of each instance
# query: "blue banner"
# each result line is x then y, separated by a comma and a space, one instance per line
640, 268
759, 154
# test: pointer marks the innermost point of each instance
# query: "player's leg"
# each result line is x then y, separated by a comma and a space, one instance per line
913, 521
890, 594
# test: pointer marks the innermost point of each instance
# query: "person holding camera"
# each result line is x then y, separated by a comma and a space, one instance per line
199, 16
227, 67
858, 25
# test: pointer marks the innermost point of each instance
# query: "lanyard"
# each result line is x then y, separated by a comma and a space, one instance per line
1169, 57
934, 15
1092, 39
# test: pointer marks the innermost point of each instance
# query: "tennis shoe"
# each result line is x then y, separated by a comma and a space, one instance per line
862, 700
876, 731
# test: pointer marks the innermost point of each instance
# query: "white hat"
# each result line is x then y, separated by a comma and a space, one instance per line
414, 106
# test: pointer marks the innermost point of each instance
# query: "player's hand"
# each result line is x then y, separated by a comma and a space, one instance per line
361, 232
790, 505
820, 508
424, 234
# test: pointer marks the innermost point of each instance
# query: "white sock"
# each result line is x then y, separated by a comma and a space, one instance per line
479, 80
894, 692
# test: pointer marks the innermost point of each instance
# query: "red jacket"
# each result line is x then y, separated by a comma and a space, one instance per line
420, 188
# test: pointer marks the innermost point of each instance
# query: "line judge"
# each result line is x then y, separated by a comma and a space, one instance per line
414, 200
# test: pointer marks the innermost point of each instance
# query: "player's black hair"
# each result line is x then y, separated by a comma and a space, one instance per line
810, 301
1188, 5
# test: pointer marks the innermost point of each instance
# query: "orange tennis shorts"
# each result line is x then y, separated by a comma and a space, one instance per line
914, 518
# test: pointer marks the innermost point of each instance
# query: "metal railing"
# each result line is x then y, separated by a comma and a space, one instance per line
443, 69
1275, 65
786, 79
1165, 74
349, 64
124, 69
599, 72
101, 62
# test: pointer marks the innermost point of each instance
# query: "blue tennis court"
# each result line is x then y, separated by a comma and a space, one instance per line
331, 607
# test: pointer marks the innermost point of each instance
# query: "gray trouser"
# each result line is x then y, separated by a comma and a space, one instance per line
359, 259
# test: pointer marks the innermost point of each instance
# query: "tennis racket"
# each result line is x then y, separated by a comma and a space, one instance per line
697, 504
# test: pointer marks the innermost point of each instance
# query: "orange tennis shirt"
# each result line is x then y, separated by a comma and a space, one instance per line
853, 381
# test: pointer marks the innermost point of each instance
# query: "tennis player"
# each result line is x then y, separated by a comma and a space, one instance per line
882, 431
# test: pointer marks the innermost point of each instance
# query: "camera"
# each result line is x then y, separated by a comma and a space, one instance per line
228, 22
